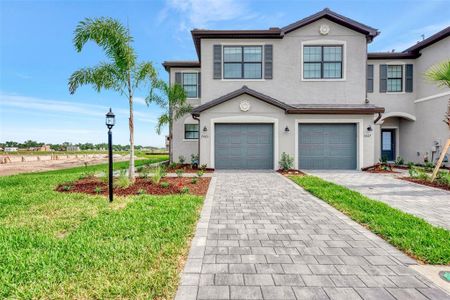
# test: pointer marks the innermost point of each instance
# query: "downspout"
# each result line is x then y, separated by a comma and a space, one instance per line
195, 117
377, 119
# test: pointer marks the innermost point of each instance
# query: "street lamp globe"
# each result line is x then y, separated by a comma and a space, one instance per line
110, 119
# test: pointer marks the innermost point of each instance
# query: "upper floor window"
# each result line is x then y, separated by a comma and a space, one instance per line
190, 84
394, 78
242, 62
322, 62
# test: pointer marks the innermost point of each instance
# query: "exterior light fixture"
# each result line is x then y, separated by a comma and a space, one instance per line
369, 129
205, 129
286, 129
110, 122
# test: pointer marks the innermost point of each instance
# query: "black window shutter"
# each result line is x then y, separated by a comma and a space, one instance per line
178, 79
199, 85
409, 78
268, 61
370, 78
217, 57
383, 78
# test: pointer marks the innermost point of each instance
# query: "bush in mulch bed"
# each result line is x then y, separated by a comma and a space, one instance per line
435, 184
379, 168
186, 168
290, 172
167, 186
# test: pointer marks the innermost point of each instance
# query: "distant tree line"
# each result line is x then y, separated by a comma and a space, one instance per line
63, 147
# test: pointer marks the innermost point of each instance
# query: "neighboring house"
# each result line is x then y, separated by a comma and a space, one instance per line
72, 148
311, 90
11, 149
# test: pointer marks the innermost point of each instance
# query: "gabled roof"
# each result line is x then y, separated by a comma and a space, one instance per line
293, 108
243, 90
429, 41
180, 64
413, 51
326, 13
277, 33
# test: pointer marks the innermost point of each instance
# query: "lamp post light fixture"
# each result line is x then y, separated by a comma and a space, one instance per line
110, 121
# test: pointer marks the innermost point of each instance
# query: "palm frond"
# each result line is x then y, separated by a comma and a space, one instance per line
163, 121
182, 110
440, 74
103, 76
111, 36
145, 72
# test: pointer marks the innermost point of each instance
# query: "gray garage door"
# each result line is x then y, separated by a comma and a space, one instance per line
243, 146
327, 146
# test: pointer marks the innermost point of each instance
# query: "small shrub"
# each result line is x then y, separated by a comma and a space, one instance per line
417, 173
164, 184
383, 159
286, 162
203, 167
443, 178
179, 173
97, 190
141, 192
184, 190
399, 161
122, 181
181, 159
200, 173
428, 167
413, 172
410, 164
66, 187
194, 180
140, 169
173, 165
158, 173
194, 159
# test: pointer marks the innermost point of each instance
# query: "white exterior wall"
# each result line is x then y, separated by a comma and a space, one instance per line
261, 112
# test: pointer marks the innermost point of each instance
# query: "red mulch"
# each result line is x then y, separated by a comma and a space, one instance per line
187, 168
290, 172
434, 184
89, 186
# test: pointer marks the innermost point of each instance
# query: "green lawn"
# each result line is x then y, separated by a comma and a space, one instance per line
408, 233
63, 245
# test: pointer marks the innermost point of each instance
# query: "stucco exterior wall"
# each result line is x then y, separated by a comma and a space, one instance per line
287, 84
260, 112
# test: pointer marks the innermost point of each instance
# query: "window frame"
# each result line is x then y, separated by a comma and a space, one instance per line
196, 85
322, 62
242, 62
190, 131
402, 70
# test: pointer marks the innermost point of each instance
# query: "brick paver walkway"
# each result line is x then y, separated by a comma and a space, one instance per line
428, 203
262, 237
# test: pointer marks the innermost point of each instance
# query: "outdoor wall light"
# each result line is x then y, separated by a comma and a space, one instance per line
369, 129
205, 129
286, 129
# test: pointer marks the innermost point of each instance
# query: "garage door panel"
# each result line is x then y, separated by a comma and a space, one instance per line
244, 146
327, 146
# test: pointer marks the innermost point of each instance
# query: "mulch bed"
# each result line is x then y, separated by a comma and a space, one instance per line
290, 172
187, 168
92, 185
434, 184
379, 168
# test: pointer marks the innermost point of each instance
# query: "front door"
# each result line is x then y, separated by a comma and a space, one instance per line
388, 144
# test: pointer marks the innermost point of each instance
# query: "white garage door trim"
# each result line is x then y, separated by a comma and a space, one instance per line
359, 138
246, 119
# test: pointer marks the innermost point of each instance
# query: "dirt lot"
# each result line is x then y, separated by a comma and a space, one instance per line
47, 164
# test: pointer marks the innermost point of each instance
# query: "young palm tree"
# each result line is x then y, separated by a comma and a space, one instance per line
122, 73
173, 101
440, 74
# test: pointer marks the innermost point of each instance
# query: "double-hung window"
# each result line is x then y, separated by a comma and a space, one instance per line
242, 62
191, 131
322, 62
190, 84
394, 78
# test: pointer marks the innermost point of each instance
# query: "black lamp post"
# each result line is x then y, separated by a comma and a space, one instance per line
110, 121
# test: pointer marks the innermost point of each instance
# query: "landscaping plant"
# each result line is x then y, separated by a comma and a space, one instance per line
286, 162
179, 173
122, 181
194, 180
98, 190
181, 160
200, 173
122, 72
184, 190
399, 161
194, 159
158, 173
164, 185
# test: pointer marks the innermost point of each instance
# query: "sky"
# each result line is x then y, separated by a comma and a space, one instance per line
37, 55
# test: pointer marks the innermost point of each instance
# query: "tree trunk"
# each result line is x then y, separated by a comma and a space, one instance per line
131, 126
170, 134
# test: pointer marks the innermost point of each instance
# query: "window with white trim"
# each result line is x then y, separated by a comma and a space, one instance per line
190, 84
191, 131
322, 62
394, 78
242, 62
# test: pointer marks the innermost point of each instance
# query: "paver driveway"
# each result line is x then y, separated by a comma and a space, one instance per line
427, 203
262, 237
